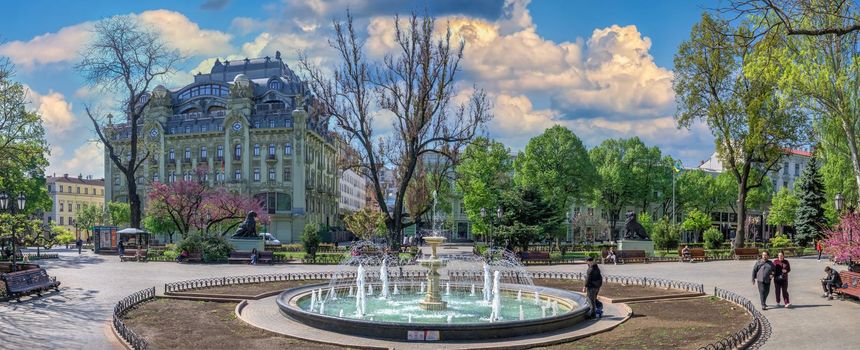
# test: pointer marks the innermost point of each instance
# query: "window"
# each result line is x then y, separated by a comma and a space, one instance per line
86, 190
61, 221
257, 125
70, 207
78, 207
154, 177
288, 149
256, 150
220, 152
203, 90
796, 169
288, 174
78, 188
271, 123
237, 152
785, 169
237, 175
288, 123
171, 155
275, 84
205, 176
70, 187
61, 206
271, 174
203, 153
256, 174
204, 128
61, 188
272, 150
187, 153
187, 129
219, 177
172, 176
785, 184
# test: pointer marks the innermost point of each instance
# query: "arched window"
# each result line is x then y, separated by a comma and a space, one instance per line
237, 152
275, 84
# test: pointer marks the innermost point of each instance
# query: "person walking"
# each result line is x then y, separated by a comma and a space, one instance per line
79, 244
762, 275
819, 248
781, 268
120, 249
593, 282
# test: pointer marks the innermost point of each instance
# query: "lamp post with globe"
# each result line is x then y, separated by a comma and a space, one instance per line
5, 205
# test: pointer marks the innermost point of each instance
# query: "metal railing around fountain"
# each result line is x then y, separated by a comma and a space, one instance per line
626, 280
122, 307
750, 333
182, 286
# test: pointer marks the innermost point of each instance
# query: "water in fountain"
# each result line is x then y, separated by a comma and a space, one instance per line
461, 276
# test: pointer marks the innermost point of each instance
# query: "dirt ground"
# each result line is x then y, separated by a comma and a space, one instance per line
670, 324
255, 288
610, 290
182, 324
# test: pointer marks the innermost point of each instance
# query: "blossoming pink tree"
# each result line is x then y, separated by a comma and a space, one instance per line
225, 210
180, 201
843, 241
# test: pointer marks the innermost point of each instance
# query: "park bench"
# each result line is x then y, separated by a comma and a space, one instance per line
195, 257
20, 283
134, 254
535, 258
244, 256
626, 256
852, 279
696, 254
746, 253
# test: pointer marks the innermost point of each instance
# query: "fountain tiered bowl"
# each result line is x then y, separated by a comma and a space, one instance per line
470, 297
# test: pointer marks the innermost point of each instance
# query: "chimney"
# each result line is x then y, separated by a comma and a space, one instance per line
80, 176
66, 176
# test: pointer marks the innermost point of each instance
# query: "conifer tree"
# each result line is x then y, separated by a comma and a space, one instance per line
809, 220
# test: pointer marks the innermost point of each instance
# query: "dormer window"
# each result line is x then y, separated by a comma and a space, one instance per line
274, 84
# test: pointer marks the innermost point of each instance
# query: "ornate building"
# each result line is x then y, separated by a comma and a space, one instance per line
69, 195
244, 126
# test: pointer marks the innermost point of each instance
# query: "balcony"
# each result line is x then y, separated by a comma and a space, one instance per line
271, 158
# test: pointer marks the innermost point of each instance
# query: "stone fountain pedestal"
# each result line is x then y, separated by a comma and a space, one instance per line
433, 299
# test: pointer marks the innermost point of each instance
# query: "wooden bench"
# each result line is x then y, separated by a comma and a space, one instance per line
20, 283
746, 253
134, 254
626, 256
244, 257
852, 279
696, 254
535, 258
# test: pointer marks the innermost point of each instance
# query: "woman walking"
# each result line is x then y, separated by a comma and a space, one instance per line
781, 268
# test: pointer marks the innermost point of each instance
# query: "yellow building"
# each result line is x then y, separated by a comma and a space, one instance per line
69, 195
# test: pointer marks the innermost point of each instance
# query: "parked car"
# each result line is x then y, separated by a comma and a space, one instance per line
269, 239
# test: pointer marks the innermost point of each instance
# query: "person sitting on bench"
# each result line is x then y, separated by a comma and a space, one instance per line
685, 254
182, 256
832, 280
611, 256
254, 256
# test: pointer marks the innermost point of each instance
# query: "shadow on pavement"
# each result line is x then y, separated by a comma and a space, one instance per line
50, 322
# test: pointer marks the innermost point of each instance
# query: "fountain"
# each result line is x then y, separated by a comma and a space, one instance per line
413, 300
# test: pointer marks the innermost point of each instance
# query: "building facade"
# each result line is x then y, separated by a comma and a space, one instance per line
246, 126
69, 195
353, 192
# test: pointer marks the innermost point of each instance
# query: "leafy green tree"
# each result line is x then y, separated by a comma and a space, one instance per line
697, 189
365, 223
752, 128
696, 221
528, 217
809, 220
158, 223
90, 215
119, 213
311, 239
62, 235
557, 164
713, 238
483, 175
783, 207
646, 221
666, 235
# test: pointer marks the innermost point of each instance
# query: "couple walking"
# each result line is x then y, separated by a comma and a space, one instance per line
776, 271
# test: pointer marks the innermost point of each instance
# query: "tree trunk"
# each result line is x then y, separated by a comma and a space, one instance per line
742, 215
852, 147
133, 201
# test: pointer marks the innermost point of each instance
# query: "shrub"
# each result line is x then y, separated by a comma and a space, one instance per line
780, 241
193, 243
216, 248
311, 239
170, 254
65, 237
665, 235
713, 238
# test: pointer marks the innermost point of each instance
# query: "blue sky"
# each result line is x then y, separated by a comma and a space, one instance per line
601, 68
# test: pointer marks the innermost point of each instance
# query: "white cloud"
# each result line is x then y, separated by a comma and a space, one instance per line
86, 159
184, 35
48, 48
56, 112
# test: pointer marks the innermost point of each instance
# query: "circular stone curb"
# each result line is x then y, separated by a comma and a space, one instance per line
265, 314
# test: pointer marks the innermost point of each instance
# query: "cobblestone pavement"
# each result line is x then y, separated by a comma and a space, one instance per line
77, 316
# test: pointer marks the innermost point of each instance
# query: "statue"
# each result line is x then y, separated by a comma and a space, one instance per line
633, 229
248, 228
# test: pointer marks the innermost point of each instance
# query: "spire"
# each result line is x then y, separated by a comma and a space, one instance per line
278, 55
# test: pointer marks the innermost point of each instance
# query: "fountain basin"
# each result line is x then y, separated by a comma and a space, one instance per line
389, 318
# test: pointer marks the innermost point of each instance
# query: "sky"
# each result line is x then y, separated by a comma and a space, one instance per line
600, 68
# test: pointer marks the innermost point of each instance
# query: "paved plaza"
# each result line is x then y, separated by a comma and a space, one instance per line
77, 317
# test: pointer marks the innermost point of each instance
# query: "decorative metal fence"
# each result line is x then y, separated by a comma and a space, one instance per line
631, 280
745, 336
182, 286
122, 307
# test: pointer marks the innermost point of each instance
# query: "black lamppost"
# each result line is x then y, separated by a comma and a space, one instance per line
484, 219
499, 214
4, 205
840, 202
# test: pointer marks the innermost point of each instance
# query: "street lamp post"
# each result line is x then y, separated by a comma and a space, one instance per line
484, 219
499, 214
840, 202
4, 205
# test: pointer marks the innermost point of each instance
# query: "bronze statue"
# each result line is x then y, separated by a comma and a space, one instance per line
633, 229
248, 228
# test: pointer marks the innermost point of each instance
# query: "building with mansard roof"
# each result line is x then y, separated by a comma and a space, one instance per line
250, 126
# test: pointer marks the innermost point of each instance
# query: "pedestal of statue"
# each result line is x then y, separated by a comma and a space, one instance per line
630, 244
247, 244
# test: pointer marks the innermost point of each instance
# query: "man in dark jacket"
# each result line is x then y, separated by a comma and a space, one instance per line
832, 280
593, 282
762, 275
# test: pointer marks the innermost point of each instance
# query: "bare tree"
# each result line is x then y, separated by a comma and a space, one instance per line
415, 84
125, 59
800, 17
